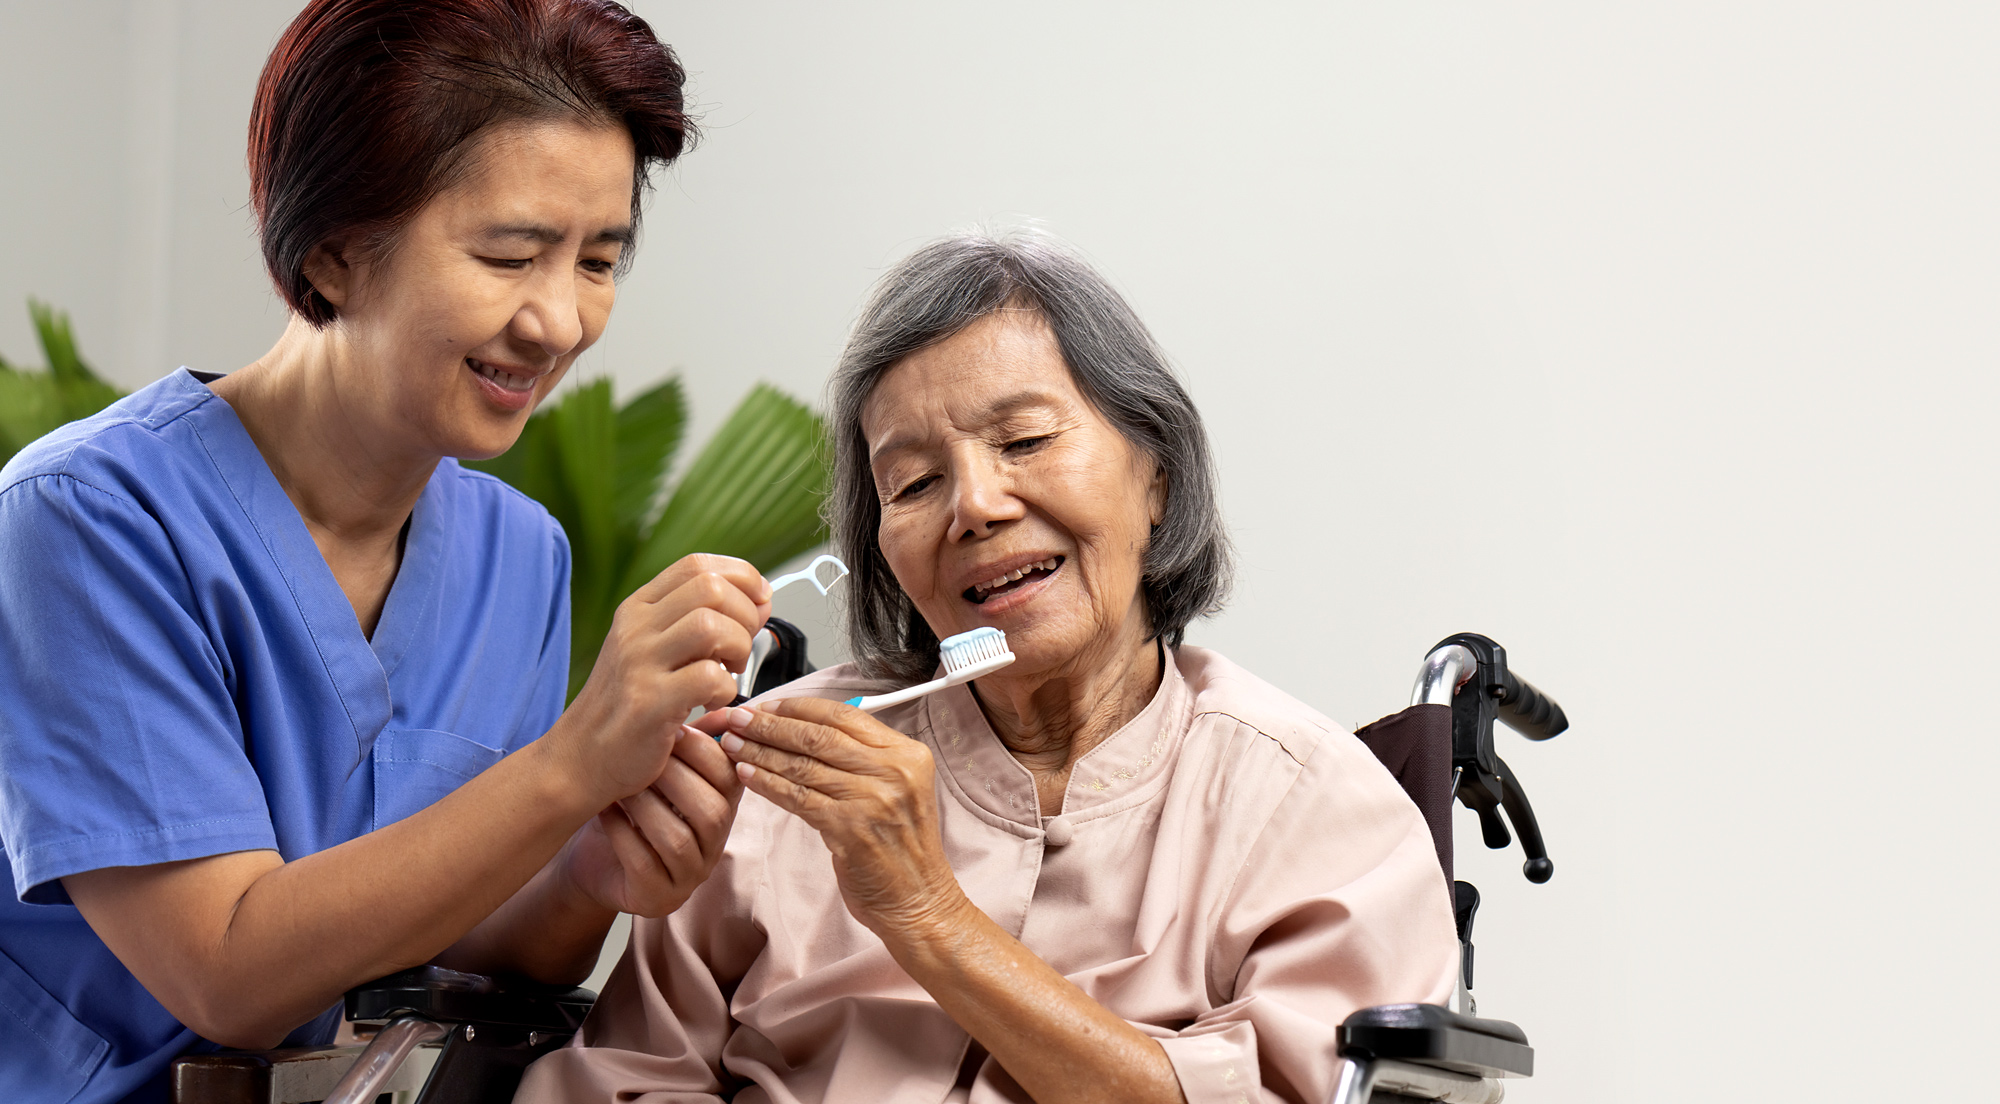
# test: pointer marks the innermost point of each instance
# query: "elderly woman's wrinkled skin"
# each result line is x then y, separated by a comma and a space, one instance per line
987, 459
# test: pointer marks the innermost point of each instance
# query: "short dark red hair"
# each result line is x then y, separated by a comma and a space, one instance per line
366, 109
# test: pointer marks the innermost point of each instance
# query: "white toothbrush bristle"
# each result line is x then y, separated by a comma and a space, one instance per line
967, 648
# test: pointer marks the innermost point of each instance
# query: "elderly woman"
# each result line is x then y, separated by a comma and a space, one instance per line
1121, 868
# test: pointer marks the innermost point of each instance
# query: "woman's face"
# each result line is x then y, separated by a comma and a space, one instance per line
1008, 500
489, 294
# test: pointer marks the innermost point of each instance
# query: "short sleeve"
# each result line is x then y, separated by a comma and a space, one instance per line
552, 671
120, 743
1340, 907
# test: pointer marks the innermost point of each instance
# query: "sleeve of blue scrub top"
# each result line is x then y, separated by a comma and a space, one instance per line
119, 740
552, 679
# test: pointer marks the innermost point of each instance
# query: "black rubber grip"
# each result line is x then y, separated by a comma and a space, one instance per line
1528, 711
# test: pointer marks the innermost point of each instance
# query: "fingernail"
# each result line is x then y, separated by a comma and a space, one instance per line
744, 771
689, 731
732, 743
739, 717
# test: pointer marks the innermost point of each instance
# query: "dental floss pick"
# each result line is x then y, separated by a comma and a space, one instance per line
763, 644
810, 573
966, 657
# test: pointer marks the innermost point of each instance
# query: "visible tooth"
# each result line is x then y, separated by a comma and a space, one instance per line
1015, 574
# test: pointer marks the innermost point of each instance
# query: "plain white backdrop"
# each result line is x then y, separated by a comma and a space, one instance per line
1657, 343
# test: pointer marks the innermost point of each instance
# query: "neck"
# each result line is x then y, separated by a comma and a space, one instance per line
1049, 721
345, 470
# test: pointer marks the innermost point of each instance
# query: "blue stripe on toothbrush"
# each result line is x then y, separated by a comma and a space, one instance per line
856, 700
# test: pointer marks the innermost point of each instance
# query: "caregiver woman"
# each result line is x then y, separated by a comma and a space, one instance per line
281, 684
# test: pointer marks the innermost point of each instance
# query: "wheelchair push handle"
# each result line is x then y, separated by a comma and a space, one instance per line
1527, 710
1469, 673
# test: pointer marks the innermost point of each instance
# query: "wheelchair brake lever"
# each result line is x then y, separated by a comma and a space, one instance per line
1476, 792
1537, 868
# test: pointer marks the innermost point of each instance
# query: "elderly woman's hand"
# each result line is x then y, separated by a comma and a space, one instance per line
867, 789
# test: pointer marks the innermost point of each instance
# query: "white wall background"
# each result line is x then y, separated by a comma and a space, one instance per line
1658, 343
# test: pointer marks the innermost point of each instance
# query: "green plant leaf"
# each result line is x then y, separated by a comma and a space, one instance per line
649, 433
28, 408
79, 392
753, 492
33, 403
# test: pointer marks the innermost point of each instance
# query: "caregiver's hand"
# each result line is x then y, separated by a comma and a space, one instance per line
867, 789
671, 649
647, 853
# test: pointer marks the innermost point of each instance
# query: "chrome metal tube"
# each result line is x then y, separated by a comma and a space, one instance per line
384, 1056
1442, 673
760, 648
1357, 1081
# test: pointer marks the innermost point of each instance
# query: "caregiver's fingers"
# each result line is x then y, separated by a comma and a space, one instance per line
703, 685
635, 857
698, 751
706, 813
711, 723
701, 633
670, 837
707, 573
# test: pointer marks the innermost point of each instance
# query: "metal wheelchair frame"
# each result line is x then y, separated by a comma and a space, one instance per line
492, 1029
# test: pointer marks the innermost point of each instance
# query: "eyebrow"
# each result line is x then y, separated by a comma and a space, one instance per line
997, 411
549, 235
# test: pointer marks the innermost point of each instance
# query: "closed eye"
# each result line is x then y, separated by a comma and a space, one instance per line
916, 487
508, 262
1029, 444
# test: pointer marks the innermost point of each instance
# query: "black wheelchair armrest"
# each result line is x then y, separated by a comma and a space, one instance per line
1433, 1035
491, 1028
449, 997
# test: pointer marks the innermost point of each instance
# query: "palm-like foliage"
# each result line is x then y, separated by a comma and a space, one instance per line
600, 469
753, 492
33, 403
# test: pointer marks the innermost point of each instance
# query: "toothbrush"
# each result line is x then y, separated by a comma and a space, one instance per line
966, 657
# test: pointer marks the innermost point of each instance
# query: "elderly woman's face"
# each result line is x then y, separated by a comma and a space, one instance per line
1007, 499
492, 290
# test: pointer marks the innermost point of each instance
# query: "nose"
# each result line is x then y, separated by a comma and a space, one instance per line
982, 499
549, 317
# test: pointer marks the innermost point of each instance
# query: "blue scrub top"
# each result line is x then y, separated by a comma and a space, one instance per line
181, 676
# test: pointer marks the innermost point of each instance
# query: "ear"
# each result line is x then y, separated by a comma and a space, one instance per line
1156, 494
328, 270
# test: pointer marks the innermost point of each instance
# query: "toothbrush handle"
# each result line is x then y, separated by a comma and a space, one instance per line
873, 702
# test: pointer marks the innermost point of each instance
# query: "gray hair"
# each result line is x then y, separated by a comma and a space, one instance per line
938, 291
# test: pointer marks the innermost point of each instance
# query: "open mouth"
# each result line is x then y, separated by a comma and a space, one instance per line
1014, 580
504, 380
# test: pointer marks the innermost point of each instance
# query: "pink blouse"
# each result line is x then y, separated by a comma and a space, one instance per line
1231, 873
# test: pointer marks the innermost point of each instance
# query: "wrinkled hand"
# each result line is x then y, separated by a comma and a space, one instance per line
671, 649
647, 853
867, 789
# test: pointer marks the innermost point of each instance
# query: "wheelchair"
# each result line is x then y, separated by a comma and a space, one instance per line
1440, 750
